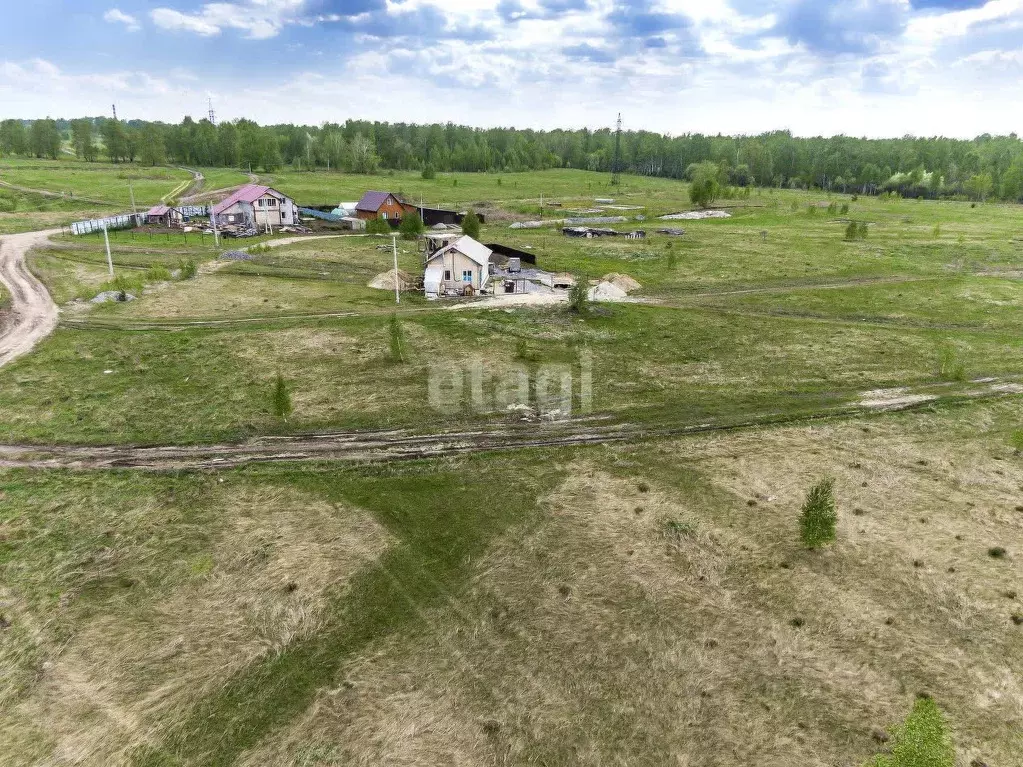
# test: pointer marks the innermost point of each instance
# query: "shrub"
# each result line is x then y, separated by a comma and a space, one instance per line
397, 333
471, 225
158, 273
578, 296
411, 226
428, 172
378, 226
819, 518
950, 366
187, 270
855, 197
861, 230
280, 399
833, 208
922, 741
851, 231
845, 208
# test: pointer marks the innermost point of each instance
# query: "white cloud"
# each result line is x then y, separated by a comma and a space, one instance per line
117, 16
258, 19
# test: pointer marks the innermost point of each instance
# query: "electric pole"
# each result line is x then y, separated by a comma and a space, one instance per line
616, 163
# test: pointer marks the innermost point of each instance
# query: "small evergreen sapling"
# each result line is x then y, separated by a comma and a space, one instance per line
819, 519
280, 400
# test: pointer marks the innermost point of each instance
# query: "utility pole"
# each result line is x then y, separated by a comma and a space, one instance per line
616, 163
110, 260
216, 235
132, 193
394, 247
541, 205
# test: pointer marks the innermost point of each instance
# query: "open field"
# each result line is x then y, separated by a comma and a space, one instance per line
645, 602
96, 180
636, 602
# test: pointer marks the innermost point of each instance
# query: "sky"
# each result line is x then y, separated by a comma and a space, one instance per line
815, 67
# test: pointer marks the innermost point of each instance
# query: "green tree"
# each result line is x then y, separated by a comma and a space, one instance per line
280, 399
411, 226
851, 231
153, 150
13, 139
378, 226
471, 225
114, 139
819, 519
429, 173
922, 741
579, 295
81, 139
979, 186
704, 187
45, 139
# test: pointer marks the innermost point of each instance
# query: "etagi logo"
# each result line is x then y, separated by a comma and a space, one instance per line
552, 391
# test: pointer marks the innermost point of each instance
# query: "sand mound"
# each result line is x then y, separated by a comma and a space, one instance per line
606, 291
386, 280
623, 282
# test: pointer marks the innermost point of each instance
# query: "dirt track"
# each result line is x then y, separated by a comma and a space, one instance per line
33, 314
383, 446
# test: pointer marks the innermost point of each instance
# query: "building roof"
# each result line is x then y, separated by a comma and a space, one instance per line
371, 201
158, 210
468, 247
248, 193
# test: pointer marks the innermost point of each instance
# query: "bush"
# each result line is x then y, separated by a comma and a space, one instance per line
923, 741
280, 399
471, 225
819, 519
411, 226
397, 333
187, 270
578, 296
833, 208
428, 172
158, 273
855, 197
845, 208
378, 226
950, 366
862, 230
851, 231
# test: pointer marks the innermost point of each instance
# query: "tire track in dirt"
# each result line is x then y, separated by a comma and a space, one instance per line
33, 314
388, 446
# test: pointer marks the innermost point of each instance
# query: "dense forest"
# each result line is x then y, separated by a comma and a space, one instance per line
980, 168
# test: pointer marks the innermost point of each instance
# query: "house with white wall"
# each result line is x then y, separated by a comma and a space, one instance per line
256, 206
459, 268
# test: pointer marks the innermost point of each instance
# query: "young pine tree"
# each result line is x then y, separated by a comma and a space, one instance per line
922, 741
851, 231
471, 225
819, 518
280, 400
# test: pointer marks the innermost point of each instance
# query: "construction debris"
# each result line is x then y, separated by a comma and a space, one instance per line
112, 296
526, 225
696, 215
590, 232
672, 232
596, 220
236, 255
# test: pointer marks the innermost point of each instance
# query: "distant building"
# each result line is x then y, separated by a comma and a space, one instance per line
380, 205
164, 215
256, 206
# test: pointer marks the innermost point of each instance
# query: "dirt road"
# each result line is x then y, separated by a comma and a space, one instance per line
33, 314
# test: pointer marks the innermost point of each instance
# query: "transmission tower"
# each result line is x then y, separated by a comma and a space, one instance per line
213, 115
115, 112
616, 163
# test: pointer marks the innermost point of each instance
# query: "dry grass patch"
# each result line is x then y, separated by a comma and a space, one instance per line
131, 668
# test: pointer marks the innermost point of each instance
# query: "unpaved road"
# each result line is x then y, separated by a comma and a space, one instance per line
33, 314
384, 446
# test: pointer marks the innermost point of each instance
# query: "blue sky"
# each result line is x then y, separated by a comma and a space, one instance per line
860, 67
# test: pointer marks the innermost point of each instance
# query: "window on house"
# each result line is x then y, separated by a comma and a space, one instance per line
384, 215
447, 275
467, 275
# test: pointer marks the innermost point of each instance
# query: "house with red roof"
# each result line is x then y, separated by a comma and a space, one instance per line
256, 206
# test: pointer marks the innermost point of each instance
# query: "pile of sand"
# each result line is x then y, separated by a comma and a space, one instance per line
386, 280
606, 291
623, 282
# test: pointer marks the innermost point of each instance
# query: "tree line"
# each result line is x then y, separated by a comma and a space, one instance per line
979, 168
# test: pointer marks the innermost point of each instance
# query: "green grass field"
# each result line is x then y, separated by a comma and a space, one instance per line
645, 602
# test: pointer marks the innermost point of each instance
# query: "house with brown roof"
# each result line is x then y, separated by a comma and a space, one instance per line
256, 206
164, 215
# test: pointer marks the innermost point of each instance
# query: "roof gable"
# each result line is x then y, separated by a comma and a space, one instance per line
372, 201
468, 247
247, 193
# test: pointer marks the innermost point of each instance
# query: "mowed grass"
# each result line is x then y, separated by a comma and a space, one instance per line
98, 180
649, 604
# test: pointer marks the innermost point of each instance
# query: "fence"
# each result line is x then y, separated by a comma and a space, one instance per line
144, 236
124, 221
190, 211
